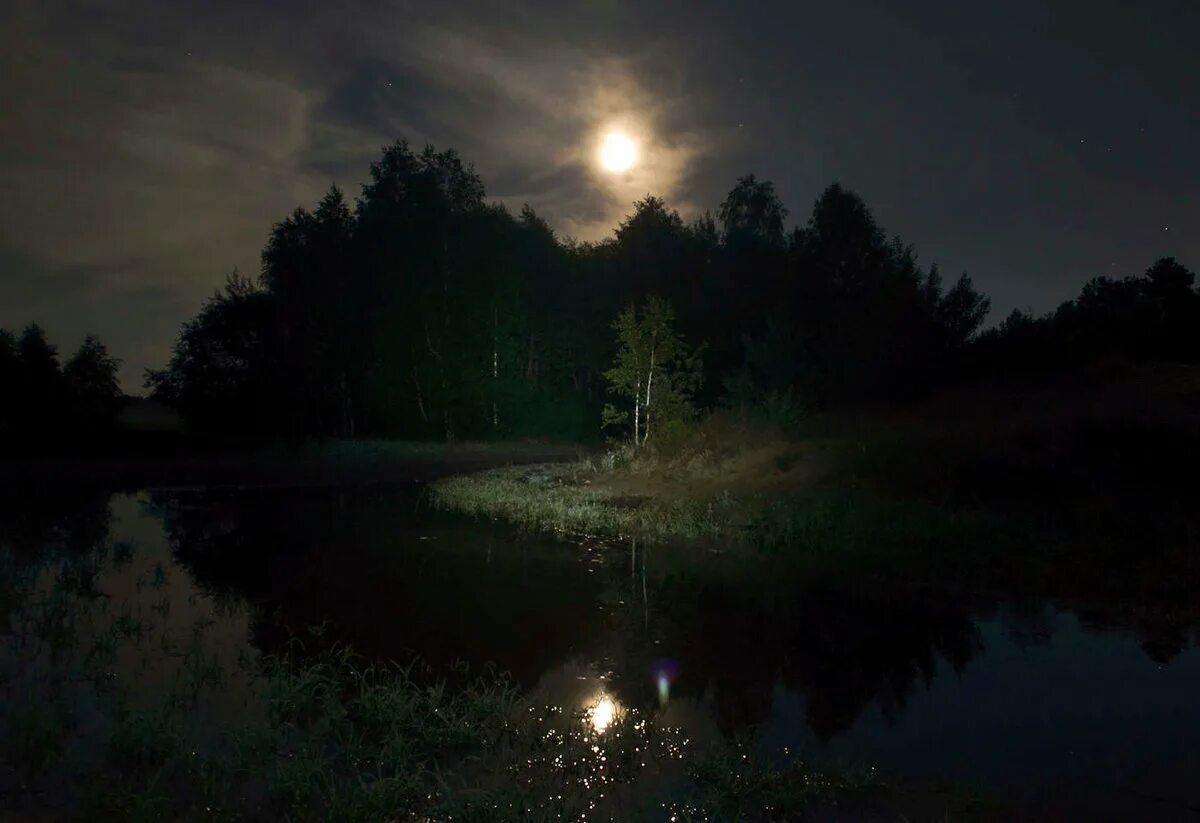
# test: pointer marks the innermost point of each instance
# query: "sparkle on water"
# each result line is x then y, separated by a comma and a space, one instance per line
603, 713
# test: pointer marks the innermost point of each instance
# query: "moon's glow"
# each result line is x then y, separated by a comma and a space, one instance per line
617, 152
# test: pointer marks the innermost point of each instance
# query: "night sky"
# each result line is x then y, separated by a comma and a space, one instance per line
147, 147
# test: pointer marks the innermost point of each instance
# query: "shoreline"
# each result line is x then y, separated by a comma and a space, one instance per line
334, 463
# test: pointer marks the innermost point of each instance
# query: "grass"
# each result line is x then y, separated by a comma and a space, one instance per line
561, 498
710, 482
325, 735
346, 740
1064, 496
820, 524
332, 736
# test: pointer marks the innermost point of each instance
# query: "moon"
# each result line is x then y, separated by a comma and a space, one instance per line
618, 152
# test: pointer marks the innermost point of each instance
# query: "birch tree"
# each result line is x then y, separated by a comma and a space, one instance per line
655, 372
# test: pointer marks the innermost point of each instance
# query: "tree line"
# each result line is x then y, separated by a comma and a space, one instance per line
45, 399
422, 311
1155, 316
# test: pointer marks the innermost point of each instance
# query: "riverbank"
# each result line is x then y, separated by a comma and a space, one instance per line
328, 735
147, 671
1083, 492
714, 488
250, 464
783, 502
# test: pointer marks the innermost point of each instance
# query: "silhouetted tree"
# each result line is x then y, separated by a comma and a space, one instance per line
752, 212
422, 311
744, 278
961, 312
40, 394
412, 218
1152, 317
855, 318
46, 406
316, 338
8, 381
219, 376
91, 376
1175, 306
650, 247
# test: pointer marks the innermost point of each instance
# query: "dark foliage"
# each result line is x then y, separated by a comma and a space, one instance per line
1155, 317
45, 403
425, 312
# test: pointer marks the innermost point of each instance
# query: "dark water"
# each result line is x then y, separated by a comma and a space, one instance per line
1027, 700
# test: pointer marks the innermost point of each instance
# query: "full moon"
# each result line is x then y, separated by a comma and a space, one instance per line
617, 152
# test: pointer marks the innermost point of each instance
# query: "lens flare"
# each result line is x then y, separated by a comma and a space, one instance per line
664, 673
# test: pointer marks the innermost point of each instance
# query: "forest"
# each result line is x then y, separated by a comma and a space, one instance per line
45, 398
421, 311
832, 487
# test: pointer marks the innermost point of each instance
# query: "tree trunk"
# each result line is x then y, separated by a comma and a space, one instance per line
649, 381
417, 384
637, 407
495, 365
346, 422
447, 427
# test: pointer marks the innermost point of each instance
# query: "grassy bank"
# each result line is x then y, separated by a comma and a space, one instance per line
344, 741
732, 486
822, 523
107, 713
217, 462
574, 498
1080, 492
714, 487
335, 738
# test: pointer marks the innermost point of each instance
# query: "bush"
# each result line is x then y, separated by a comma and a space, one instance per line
673, 438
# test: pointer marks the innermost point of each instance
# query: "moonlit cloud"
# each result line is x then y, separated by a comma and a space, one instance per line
152, 146
531, 116
140, 186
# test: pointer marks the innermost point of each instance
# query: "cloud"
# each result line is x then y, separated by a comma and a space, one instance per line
149, 147
534, 113
138, 183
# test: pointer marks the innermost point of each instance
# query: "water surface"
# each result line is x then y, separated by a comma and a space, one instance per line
1029, 701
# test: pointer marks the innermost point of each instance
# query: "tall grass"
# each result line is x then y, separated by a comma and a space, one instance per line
561, 498
824, 522
321, 735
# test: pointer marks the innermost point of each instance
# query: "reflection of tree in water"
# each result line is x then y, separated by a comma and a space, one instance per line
34, 517
1162, 632
845, 652
841, 650
737, 629
1164, 645
1028, 622
1162, 635
244, 541
390, 584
